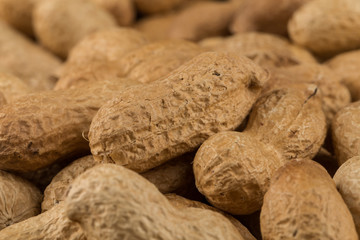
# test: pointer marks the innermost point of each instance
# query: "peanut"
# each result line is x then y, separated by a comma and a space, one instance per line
60, 24
173, 176
53, 224
156, 6
126, 206
149, 124
123, 11
347, 66
18, 14
39, 129
96, 51
12, 87
233, 169
182, 203
265, 16
348, 184
19, 199
346, 132
302, 203
25, 60
327, 27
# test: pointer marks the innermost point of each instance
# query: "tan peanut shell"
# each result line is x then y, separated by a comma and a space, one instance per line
347, 66
39, 129
60, 24
327, 27
181, 203
149, 124
55, 192
347, 180
303, 203
19, 199
18, 14
156, 27
173, 176
157, 6
346, 132
99, 50
13, 87
265, 49
53, 224
156, 60
122, 10
25, 60
334, 95
233, 169
201, 20
126, 206
265, 16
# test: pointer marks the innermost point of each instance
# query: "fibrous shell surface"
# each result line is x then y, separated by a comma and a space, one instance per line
150, 124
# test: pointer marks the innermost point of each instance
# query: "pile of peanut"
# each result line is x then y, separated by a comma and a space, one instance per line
179, 119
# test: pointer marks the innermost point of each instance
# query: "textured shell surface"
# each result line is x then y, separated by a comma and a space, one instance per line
303, 203
112, 202
150, 124
347, 179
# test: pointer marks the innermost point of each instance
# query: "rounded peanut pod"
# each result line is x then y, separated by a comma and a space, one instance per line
53, 224
156, 27
149, 124
19, 199
347, 179
265, 16
173, 176
25, 60
61, 24
201, 20
122, 10
37, 130
347, 66
12, 87
346, 132
18, 14
126, 206
334, 95
181, 203
303, 203
96, 51
265, 49
156, 60
233, 169
327, 27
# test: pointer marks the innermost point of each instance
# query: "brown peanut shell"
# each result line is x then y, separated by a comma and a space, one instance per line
149, 124
303, 203
19, 199
126, 206
25, 60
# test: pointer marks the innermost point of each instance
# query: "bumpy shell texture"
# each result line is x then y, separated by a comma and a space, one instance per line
112, 202
156, 60
181, 203
150, 124
19, 199
334, 95
347, 179
38, 129
347, 66
25, 60
60, 24
303, 203
51, 225
233, 169
327, 27
346, 132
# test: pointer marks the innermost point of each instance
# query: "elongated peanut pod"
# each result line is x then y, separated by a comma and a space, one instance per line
149, 124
